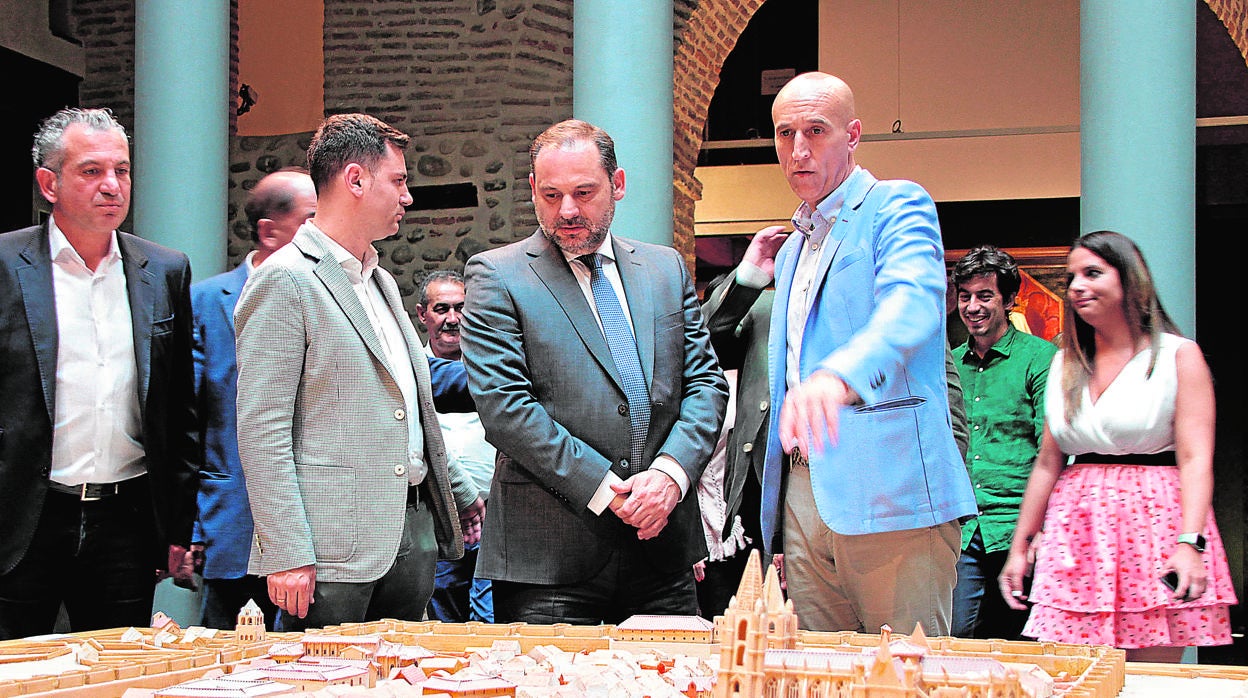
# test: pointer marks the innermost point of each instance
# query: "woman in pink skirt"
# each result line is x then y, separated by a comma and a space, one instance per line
1132, 401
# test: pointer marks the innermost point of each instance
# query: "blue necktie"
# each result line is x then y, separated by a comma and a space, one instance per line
624, 352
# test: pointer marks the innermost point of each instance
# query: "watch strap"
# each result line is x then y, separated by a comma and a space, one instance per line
1195, 540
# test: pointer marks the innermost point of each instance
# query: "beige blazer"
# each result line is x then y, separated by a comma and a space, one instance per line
322, 424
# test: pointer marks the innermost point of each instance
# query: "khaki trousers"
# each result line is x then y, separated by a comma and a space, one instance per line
859, 583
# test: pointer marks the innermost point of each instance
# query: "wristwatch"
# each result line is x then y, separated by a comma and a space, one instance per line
1193, 539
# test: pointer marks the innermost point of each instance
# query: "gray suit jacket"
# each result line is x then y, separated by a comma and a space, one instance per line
551, 401
322, 424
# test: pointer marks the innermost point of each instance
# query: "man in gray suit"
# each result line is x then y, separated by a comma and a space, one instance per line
343, 458
594, 378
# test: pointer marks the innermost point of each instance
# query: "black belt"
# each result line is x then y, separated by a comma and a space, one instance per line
92, 491
1163, 458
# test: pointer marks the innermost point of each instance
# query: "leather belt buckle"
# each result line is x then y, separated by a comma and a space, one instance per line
93, 492
797, 459
87, 491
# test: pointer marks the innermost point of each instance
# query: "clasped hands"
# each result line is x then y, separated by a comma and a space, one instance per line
645, 500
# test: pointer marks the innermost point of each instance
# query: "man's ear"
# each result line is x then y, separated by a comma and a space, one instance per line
617, 184
48, 182
267, 234
353, 177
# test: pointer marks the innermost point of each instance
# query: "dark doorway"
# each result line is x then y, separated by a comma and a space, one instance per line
36, 90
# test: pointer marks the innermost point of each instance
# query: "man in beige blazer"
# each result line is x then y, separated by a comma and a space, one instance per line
344, 462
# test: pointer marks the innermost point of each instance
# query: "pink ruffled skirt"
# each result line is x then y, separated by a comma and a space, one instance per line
1108, 531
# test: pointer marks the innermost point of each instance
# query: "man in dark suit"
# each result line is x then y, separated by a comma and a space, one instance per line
97, 423
594, 378
275, 208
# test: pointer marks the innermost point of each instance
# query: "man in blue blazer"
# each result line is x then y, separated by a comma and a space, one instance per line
863, 480
275, 208
97, 427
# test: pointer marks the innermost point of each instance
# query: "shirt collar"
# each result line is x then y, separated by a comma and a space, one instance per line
61, 250
815, 223
359, 272
1001, 346
606, 249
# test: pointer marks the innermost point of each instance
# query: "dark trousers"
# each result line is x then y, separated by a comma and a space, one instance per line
96, 557
627, 586
401, 593
223, 598
458, 594
979, 611
723, 577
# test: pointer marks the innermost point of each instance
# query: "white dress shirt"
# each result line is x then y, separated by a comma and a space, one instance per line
97, 433
663, 462
386, 327
813, 225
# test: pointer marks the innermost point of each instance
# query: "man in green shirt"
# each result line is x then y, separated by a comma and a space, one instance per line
1003, 374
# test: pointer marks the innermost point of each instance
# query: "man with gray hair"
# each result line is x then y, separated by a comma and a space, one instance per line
97, 426
458, 594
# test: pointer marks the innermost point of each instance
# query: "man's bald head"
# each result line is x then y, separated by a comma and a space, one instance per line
816, 134
276, 207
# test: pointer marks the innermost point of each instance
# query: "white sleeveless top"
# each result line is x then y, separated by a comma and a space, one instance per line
1135, 414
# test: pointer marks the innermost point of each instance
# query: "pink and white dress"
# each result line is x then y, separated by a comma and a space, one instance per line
1110, 527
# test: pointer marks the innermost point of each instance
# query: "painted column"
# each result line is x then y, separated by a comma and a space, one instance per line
1138, 136
181, 127
622, 82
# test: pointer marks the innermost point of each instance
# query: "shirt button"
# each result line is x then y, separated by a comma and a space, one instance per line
399, 414
976, 427
976, 398
981, 369
400, 469
976, 456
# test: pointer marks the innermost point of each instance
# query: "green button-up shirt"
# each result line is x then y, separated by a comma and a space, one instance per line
1004, 395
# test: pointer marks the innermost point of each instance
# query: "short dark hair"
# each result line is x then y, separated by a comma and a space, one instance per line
346, 138
440, 276
989, 259
573, 131
268, 202
49, 148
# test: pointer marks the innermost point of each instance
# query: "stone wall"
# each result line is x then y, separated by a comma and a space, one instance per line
472, 82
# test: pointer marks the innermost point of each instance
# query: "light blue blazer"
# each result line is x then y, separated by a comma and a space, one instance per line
878, 321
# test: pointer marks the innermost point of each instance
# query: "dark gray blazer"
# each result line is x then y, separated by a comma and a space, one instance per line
551, 401
158, 282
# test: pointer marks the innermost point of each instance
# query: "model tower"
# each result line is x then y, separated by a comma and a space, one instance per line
758, 618
250, 627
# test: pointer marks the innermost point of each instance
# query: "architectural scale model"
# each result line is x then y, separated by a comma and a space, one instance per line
755, 650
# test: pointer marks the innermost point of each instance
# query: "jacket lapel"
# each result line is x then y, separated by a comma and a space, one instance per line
550, 266
39, 299
230, 290
640, 303
859, 185
142, 296
336, 281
